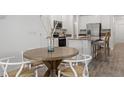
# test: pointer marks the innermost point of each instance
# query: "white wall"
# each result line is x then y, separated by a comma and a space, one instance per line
104, 19
20, 32
83, 20
119, 29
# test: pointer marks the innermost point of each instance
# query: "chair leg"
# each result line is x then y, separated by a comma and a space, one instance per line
36, 73
59, 73
86, 71
108, 49
105, 50
93, 50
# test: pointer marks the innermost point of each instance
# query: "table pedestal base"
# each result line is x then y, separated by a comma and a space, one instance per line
52, 68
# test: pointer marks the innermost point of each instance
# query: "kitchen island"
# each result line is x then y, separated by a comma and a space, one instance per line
82, 43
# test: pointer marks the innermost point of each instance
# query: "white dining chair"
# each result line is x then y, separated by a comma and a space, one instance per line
36, 65
78, 70
20, 70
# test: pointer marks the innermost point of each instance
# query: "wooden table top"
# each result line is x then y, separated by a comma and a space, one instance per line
43, 54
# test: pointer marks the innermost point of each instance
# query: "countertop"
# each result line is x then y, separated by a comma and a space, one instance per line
85, 38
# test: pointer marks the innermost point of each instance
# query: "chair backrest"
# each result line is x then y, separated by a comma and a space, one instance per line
107, 37
86, 59
94, 29
5, 62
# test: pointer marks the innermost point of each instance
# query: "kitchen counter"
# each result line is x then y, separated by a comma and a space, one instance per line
89, 38
103, 32
83, 44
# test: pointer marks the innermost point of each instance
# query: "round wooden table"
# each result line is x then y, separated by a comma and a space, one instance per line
51, 59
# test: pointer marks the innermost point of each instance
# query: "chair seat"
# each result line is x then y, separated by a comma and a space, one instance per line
100, 42
24, 73
69, 73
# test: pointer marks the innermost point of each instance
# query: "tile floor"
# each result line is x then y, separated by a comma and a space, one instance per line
112, 66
